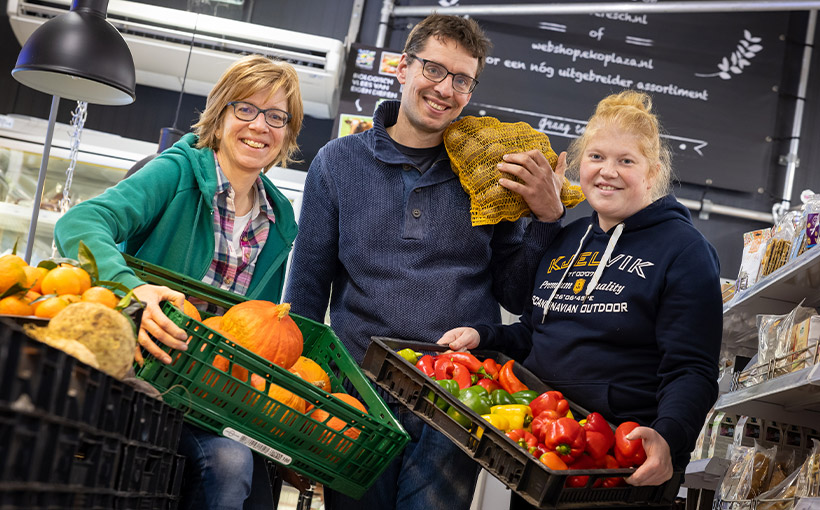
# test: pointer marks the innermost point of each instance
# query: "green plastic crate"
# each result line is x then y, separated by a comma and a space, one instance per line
215, 400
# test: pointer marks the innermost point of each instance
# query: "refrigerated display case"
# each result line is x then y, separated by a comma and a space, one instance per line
102, 161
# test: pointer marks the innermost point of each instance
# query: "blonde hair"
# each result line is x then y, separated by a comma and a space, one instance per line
631, 112
244, 78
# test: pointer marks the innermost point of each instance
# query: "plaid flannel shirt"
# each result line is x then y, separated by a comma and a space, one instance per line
230, 270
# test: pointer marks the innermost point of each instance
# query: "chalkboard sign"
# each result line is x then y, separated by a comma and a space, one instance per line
712, 76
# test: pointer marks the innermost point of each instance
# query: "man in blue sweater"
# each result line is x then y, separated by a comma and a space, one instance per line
386, 225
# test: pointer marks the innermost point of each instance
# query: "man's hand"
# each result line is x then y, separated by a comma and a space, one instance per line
541, 187
460, 339
157, 324
658, 465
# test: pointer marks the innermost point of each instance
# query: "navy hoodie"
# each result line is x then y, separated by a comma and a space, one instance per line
634, 333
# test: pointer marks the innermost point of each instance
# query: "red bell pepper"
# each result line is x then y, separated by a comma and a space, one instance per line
550, 401
538, 450
465, 358
600, 437
425, 364
615, 481
489, 385
444, 368
524, 439
540, 422
566, 437
582, 462
508, 380
628, 452
462, 376
490, 368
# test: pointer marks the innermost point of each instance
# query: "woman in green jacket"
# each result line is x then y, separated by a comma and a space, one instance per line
204, 208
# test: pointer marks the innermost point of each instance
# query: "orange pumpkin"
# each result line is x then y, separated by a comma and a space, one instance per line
266, 329
311, 372
336, 423
215, 323
280, 394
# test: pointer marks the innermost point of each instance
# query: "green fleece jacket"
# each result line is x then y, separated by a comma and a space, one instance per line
163, 214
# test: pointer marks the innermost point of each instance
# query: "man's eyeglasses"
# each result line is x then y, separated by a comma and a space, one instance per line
247, 112
436, 72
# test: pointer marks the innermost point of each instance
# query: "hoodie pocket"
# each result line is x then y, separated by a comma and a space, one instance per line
592, 396
616, 402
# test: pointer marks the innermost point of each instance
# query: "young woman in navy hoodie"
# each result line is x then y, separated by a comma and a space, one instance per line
626, 311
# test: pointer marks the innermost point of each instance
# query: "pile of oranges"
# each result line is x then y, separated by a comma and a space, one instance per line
43, 292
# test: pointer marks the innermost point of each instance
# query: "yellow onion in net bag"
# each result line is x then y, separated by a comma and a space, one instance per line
476, 145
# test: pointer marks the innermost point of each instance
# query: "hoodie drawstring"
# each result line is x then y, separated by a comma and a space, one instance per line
567, 270
604, 260
613, 241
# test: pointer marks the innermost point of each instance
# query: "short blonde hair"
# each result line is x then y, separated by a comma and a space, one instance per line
244, 78
631, 112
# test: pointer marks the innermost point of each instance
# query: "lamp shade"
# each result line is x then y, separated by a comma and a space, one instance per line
79, 55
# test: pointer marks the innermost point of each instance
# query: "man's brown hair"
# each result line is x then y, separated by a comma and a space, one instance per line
465, 31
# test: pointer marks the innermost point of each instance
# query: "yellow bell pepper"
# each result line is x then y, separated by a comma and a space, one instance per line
518, 415
498, 421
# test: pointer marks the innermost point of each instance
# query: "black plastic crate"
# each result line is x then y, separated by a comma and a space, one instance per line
32, 375
494, 451
50, 497
115, 414
36, 447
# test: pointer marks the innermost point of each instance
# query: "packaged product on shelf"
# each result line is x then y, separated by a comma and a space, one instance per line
723, 434
749, 430
748, 473
701, 450
779, 244
803, 341
808, 478
754, 244
812, 222
780, 496
787, 337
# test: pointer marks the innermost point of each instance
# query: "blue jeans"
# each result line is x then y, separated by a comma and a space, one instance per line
221, 474
432, 473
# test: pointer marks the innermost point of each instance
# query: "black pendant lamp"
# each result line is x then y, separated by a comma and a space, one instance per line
79, 55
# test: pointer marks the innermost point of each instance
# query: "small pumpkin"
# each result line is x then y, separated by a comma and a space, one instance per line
266, 329
311, 372
336, 423
280, 394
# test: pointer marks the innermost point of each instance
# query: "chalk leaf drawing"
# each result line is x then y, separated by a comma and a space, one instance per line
746, 50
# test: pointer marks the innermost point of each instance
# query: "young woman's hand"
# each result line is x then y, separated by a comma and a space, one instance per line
460, 339
541, 187
657, 468
157, 324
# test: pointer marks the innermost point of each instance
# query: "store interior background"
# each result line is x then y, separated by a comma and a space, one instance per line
155, 108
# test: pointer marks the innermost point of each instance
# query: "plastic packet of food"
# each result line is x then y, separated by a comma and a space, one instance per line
808, 478
779, 244
754, 246
787, 331
780, 496
737, 479
767, 330
812, 221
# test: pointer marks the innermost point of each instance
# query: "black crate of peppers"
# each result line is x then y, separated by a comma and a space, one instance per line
457, 413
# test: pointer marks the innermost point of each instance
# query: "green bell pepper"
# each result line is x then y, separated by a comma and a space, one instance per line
501, 397
474, 397
525, 396
448, 384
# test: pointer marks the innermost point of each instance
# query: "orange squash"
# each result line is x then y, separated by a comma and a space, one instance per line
266, 329
311, 372
280, 394
336, 423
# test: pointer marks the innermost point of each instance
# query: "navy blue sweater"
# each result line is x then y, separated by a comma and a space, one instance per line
407, 269
644, 344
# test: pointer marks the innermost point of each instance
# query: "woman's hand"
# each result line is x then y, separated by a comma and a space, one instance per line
658, 465
157, 324
541, 187
460, 339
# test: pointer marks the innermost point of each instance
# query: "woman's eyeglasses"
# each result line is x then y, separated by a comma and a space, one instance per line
247, 112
